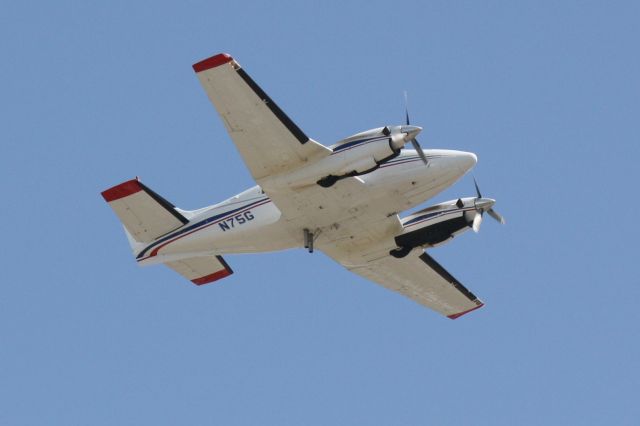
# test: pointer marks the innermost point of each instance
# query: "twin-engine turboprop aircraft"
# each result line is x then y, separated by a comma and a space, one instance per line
343, 200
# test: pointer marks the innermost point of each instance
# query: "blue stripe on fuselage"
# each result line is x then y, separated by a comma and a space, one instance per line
197, 225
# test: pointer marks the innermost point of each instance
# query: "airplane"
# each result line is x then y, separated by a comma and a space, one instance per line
343, 200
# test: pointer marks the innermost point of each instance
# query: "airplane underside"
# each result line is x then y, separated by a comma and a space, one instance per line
331, 218
345, 200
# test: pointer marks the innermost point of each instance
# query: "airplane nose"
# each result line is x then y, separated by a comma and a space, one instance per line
465, 160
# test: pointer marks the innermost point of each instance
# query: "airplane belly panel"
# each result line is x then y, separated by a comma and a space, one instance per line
407, 182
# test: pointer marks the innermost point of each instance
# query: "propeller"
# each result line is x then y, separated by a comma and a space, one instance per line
497, 216
414, 141
477, 220
484, 205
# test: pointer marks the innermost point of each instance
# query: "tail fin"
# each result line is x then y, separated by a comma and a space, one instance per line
136, 246
144, 214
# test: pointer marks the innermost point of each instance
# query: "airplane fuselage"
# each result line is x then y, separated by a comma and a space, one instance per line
250, 222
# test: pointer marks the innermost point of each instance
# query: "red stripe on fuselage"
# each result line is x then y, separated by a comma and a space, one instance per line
154, 252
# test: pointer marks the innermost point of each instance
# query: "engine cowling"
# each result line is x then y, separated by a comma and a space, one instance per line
364, 152
434, 225
365, 155
356, 155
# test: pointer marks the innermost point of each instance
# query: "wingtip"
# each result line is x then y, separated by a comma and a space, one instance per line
213, 277
121, 190
212, 62
458, 315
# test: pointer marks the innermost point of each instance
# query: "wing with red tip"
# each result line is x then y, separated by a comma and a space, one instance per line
268, 140
420, 278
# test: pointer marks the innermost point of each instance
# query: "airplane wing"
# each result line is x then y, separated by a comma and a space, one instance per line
420, 278
268, 141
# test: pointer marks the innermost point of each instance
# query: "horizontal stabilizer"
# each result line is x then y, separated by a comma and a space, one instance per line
201, 270
145, 214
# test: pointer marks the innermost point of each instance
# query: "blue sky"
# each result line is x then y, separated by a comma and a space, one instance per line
545, 93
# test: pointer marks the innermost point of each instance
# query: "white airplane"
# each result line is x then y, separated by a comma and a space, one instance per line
343, 200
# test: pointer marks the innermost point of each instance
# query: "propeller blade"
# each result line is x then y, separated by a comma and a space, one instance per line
418, 149
497, 216
477, 220
406, 107
414, 141
477, 189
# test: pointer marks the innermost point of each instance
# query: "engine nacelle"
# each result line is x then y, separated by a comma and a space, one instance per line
364, 152
435, 225
354, 156
364, 156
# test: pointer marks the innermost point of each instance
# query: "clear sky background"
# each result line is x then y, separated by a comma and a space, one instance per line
545, 93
